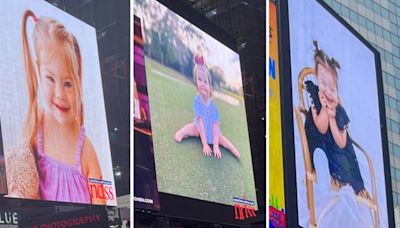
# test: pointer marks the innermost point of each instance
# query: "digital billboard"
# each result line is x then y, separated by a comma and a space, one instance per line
276, 175
198, 118
338, 118
146, 192
52, 112
3, 179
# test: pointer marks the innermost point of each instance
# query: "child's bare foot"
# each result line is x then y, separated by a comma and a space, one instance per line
235, 152
217, 152
207, 150
178, 136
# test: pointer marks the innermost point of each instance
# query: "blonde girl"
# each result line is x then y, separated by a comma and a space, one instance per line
206, 115
54, 125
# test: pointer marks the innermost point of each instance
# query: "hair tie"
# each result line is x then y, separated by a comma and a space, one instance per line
335, 63
35, 18
315, 43
199, 60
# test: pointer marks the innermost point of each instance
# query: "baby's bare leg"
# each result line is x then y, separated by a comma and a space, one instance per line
223, 141
189, 130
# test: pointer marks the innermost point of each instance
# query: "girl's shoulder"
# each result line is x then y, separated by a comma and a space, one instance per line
88, 148
196, 98
89, 156
212, 104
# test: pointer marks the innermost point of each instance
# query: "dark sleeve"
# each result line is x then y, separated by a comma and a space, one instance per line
312, 90
341, 117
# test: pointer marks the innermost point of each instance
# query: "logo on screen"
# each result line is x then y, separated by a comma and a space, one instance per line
101, 189
244, 208
276, 217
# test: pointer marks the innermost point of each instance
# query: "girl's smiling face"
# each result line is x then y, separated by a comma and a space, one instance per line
203, 84
327, 82
59, 87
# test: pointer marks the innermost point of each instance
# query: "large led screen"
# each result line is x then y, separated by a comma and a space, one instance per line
198, 117
276, 175
337, 130
146, 192
52, 111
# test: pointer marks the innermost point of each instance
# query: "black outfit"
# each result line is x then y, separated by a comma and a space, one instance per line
343, 164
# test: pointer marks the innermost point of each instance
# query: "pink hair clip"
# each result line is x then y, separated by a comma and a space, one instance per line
35, 19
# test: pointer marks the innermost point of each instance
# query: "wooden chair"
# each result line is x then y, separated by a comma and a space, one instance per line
310, 177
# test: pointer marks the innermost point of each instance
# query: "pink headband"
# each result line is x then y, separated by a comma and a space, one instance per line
198, 59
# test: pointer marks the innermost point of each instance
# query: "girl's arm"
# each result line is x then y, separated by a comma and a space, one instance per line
206, 147
91, 169
339, 136
321, 120
216, 150
22, 175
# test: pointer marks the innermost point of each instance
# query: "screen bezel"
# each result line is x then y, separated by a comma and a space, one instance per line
175, 206
288, 122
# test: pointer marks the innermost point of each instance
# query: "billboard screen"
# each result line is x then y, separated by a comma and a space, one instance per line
52, 111
3, 179
146, 192
338, 137
198, 118
276, 177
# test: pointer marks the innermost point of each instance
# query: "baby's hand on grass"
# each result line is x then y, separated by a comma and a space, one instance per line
207, 150
217, 152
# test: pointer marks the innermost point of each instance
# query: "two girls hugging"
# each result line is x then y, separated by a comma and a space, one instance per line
57, 158
206, 119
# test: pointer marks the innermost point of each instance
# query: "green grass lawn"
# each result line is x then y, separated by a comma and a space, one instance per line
181, 168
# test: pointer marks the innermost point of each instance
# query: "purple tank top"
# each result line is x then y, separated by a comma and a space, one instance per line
60, 181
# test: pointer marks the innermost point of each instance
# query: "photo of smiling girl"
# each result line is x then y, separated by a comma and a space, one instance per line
206, 115
53, 130
66, 157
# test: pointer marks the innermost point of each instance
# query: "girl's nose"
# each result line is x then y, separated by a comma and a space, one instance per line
60, 94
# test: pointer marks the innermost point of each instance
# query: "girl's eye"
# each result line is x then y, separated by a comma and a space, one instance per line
68, 84
50, 78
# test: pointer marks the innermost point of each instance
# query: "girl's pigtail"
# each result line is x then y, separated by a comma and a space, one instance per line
315, 43
32, 118
335, 64
77, 51
319, 55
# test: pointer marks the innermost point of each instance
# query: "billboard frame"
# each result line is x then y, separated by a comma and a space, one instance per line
182, 207
287, 113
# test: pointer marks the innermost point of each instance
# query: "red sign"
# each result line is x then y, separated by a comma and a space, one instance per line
276, 218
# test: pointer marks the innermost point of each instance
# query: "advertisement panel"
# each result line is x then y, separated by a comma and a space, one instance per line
276, 178
94, 217
199, 126
146, 192
53, 119
338, 137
